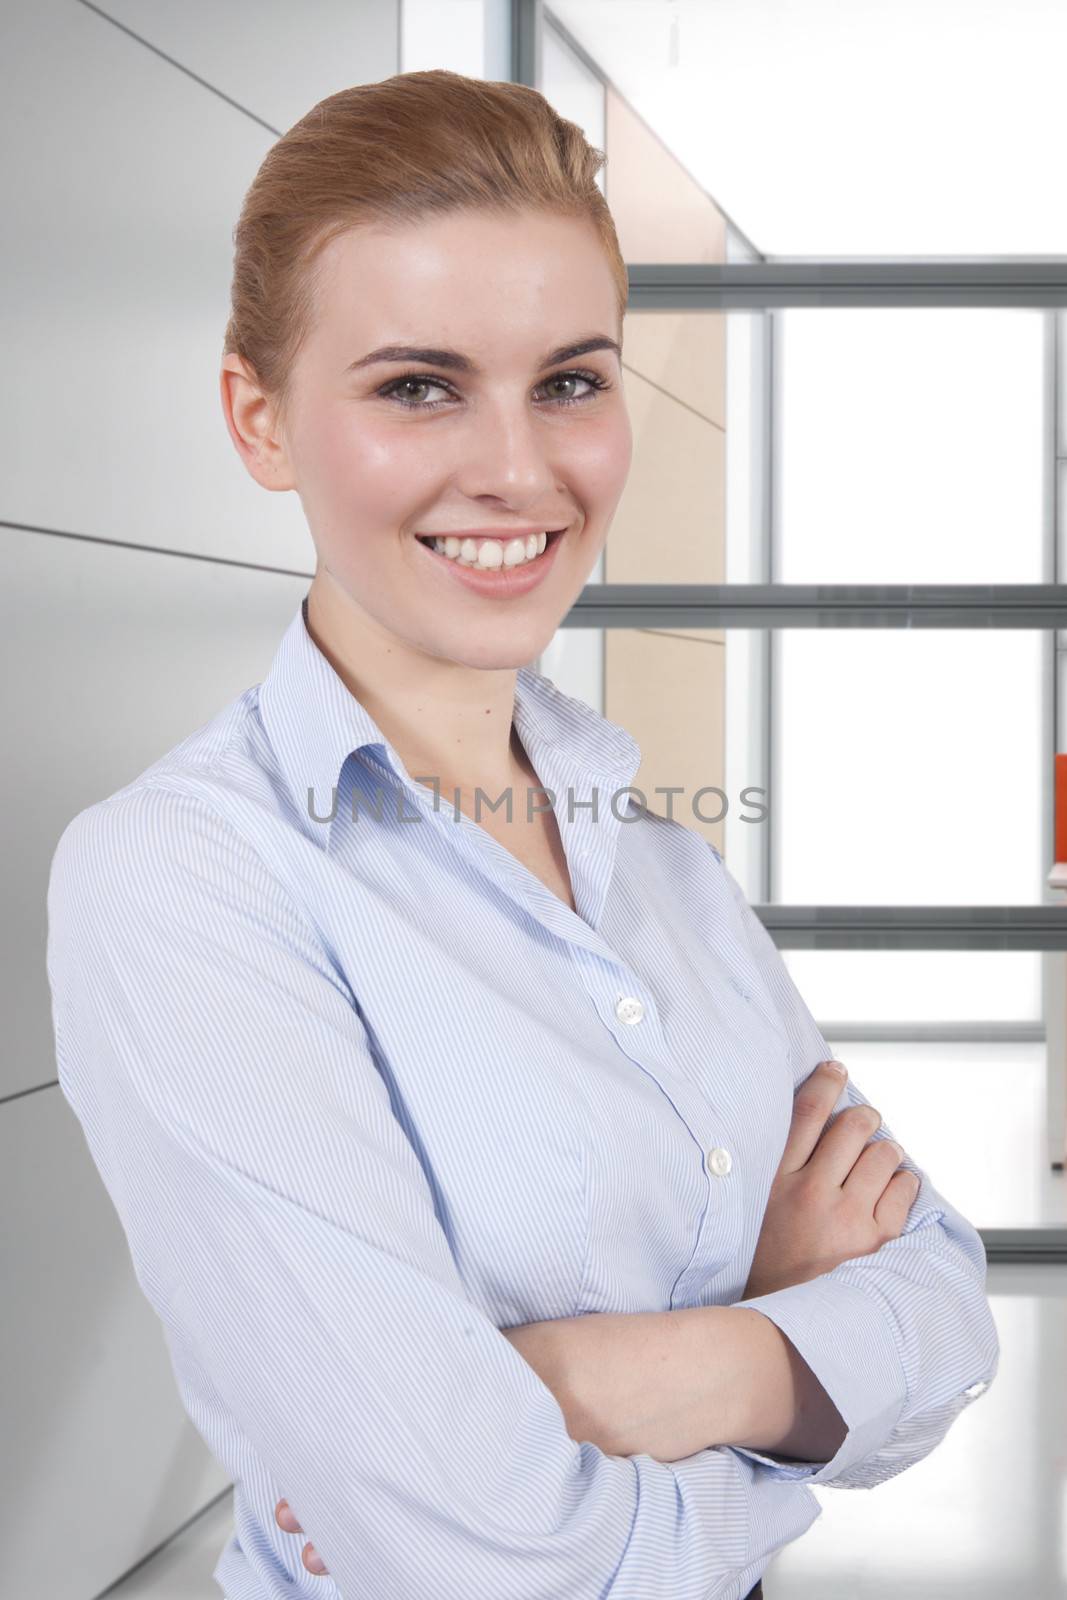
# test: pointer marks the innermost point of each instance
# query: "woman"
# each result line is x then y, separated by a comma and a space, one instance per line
452, 1123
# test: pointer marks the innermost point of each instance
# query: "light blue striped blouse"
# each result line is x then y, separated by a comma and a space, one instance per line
364, 1092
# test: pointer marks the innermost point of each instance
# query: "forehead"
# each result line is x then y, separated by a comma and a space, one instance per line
467, 279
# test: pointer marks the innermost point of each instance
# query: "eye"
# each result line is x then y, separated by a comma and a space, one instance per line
593, 379
423, 380
415, 380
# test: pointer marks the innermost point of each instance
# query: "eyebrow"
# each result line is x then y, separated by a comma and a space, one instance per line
457, 362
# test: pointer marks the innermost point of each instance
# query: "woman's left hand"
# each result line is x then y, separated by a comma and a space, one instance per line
283, 1516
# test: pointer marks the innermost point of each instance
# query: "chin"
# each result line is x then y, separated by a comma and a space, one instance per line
505, 655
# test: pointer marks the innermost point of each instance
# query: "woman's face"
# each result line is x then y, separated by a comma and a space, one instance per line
380, 452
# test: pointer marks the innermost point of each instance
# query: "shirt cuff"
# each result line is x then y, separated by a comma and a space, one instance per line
847, 1341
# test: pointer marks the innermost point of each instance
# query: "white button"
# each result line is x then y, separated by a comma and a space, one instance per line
719, 1161
976, 1389
629, 1009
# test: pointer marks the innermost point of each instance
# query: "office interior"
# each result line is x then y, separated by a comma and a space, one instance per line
831, 602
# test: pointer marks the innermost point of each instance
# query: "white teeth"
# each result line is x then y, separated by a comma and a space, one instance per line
490, 553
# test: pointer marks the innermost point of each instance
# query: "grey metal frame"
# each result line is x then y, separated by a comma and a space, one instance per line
830, 605
1039, 283
1035, 281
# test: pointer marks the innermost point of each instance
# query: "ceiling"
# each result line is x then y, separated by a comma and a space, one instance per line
825, 128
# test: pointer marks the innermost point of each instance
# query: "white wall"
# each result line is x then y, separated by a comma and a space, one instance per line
145, 580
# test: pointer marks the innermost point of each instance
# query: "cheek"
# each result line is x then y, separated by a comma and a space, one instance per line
374, 470
602, 458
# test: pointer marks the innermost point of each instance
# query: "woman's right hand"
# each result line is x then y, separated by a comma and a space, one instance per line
834, 1196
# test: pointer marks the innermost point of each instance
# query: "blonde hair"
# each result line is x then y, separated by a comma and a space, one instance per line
414, 145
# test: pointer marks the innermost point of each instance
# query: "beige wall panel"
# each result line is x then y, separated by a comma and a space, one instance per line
669, 526
661, 213
667, 691
682, 352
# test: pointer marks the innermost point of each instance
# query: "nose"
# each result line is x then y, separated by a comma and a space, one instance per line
509, 455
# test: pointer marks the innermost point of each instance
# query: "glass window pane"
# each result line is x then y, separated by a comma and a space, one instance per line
909, 766
909, 770
856, 989
911, 445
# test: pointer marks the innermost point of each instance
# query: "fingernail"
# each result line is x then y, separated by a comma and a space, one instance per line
315, 1563
838, 1067
898, 1148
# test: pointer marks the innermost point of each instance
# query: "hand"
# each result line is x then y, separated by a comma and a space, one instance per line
283, 1516
834, 1196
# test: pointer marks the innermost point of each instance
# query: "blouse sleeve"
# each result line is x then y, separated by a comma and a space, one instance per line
902, 1339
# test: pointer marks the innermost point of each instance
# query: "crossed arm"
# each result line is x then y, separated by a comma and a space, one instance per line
255, 1243
669, 1383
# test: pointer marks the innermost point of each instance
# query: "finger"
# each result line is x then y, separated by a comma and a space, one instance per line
813, 1102
844, 1141
891, 1212
285, 1517
876, 1164
313, 1561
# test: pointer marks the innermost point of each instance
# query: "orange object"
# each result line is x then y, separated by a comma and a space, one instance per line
1061, 807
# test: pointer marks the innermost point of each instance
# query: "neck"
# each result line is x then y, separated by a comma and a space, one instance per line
447, 721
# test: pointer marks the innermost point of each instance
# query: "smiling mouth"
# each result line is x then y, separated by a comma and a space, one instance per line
430, 540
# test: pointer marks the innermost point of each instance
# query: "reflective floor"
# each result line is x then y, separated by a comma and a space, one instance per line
984, 1517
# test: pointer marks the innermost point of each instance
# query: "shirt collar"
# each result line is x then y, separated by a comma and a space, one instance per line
314, 723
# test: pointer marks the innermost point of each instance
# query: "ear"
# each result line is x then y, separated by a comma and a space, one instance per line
251, 419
